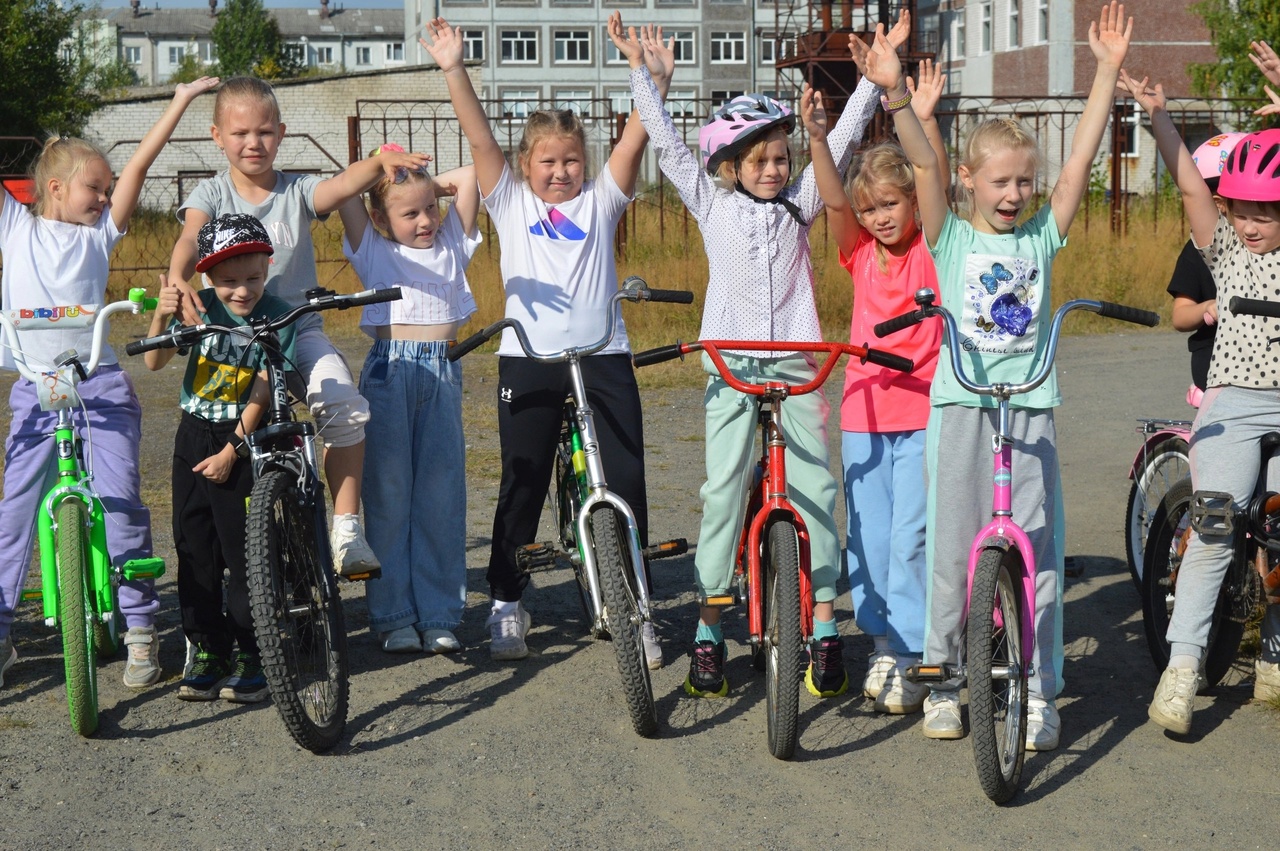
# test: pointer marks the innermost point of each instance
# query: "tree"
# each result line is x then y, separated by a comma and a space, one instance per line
1233, 24
247, 39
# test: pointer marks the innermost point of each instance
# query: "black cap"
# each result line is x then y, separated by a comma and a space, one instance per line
231, 235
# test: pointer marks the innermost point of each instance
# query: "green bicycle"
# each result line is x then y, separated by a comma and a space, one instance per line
79, 582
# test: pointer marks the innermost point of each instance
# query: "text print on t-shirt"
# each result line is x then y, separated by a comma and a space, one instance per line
1002, 298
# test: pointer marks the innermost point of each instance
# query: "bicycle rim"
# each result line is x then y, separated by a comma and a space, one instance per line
1163, 466
76, 615
783, 647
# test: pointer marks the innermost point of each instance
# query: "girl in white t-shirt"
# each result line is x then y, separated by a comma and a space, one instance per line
556, 230
414, 488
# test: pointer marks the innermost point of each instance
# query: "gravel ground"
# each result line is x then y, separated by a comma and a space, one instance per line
460, 752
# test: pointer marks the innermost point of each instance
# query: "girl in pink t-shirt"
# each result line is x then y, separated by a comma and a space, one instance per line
884, 412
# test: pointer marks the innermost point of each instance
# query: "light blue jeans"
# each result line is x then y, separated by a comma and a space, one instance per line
415, 486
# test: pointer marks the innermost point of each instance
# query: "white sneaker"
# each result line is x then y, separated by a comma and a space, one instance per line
440, 641
506, 634
652, 649
900, 696
8, 655
942, 716
1043, 724
142, 668
1174, 699
402, 640
352, 555
879, 666
1266, 681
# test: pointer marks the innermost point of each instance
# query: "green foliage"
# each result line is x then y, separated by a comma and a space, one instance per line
112, 78
1233, 24
247, 38
188, 69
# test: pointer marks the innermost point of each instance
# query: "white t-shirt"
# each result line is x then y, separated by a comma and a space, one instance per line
53, 264
557, 263
432, 281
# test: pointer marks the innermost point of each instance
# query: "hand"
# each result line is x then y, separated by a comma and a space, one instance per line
190, 310
1149, 99
1272, 108
1266, 60
396, 165
169, 300
216, 468
926, 94
901, 30
445, 46
659, 55
813, 114
190, 91
880, 64
1108, 43
1211, 312
628, 44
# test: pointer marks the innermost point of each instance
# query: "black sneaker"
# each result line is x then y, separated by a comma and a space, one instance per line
706, 670
246, 683
826, 676
206, 675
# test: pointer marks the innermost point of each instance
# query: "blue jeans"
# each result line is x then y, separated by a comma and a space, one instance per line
414, 486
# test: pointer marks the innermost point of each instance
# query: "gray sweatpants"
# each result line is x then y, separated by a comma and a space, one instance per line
958, 466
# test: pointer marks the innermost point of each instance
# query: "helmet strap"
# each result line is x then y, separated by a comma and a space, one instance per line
787, 205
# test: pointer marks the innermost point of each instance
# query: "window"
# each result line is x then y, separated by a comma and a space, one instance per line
955, 81
473, 45
1127, 126
520, 46
767, 50
395, 51
1042, 22
208, 52
133, 55
577, 101
728, 48
176, 54
518, 103
683, 47
324, 55
1015, 22
681, 102
986, 27
572, 47
364, 56
297, 53
722, 96
619, 101
612, 56
961, 46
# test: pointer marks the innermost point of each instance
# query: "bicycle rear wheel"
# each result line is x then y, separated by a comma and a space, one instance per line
1163, 466
997, 678
622, 611
75, 615
783, 643
297, 612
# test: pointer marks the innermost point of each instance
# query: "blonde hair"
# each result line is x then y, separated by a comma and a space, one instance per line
62, 158
884, 164
546, 123
380, 190
245, 89
726, 175
993, 136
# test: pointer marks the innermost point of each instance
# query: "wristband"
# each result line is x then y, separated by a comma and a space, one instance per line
238, 443
892, 106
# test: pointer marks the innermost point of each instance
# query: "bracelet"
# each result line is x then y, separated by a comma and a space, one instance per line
892, 106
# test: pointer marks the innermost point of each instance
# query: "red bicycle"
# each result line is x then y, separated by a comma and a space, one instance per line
771, 573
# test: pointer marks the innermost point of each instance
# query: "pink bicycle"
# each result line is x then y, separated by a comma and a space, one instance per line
1000, 607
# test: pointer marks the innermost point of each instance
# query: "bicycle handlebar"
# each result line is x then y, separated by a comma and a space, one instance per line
85, 316
1254, 307
633, 289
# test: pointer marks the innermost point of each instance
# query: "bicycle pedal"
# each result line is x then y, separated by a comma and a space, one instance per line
932, 673
362, 577
32, 593
667, 549
719, 600
536, 556
143, 568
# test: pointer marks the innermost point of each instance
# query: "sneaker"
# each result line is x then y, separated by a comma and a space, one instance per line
706, 670
652, 649
402, 640
247, 684
440, 641
207, 673
942, 716
1266, 681
900, 696
1174, 698
879, 666
352, 556
1043, 724
506, 634
8, 655
143, 667
826, 676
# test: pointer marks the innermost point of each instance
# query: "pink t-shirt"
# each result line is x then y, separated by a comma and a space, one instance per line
877, 399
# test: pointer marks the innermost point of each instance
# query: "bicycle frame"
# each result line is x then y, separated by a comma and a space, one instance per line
1154, 432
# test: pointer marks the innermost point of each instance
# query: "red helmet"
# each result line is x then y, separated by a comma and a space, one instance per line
1252, 172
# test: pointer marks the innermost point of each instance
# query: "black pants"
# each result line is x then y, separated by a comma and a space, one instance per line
530, 408
209, 535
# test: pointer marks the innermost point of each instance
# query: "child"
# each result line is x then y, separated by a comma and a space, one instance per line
1242, 250
556, 230
247, 127
755, 231
59, 256
884, 411
994, 272
222, 400
415, 501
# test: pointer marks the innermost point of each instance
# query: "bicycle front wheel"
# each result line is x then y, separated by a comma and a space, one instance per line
75, 615
622, 611
1163, 466
997, 678
297, 613
783, 643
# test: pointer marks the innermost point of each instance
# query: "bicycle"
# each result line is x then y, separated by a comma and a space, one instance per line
597, 529
1162, 460
1254, 572
79, 579
1000, 641
293, 591
772, 568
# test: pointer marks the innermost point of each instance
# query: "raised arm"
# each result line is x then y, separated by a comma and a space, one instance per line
924, 101
354, 217
460, 184
124, 198
182, 265
624, 161
445, 48
840, 215
1265, 58
360, 177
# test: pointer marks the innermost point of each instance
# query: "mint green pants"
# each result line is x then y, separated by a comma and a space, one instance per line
731, 457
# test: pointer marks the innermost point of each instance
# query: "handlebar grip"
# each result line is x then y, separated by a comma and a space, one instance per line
467, 346
148, 344
663, 353
888, 359
371, 297
1254, 307
1111, 310
897, 323
672, 296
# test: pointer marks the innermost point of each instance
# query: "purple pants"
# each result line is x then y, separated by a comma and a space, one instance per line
115, 426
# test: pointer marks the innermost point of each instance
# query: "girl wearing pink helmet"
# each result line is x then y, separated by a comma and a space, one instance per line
755, 228
1241, 246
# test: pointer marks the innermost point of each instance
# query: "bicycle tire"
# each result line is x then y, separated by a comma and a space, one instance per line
784, 645
997, 695
1159, 589
75, 616
297, 612
1165, 464
622, 612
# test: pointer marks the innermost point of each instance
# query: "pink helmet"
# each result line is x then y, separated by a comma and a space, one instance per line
1252, 172
1211, 157
737, 124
